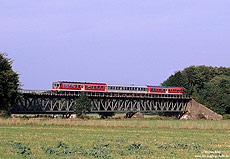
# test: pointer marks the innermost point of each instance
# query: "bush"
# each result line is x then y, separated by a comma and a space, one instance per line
226, 116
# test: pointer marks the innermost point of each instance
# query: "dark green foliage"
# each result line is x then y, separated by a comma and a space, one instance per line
82, 105
9, 83
61, 149
189, 147
208, 85
134, 146
19, 148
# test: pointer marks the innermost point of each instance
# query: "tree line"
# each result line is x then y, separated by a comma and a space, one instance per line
208, 85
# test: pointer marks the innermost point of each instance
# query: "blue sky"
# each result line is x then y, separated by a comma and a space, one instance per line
117, 42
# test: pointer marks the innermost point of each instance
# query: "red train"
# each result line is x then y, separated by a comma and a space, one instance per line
102, 87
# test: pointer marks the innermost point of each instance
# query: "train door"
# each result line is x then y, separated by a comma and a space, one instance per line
83, 87
167, 91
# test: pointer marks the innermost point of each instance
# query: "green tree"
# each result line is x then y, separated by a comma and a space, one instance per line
208, 85
82, 105
9, 83
216, 94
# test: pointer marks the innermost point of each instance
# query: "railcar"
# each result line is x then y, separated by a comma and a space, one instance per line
126, 89
164, 90
79, 86
103, 87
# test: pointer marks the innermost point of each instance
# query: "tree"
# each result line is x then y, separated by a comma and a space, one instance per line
82, 105
208, 85
9, 83
216, 94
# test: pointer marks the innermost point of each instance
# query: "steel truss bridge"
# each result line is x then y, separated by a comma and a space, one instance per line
53, 102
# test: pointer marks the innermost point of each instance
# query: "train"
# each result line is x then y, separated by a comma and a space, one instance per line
103, 87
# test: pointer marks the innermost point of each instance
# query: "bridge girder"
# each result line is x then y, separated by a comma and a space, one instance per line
60, 104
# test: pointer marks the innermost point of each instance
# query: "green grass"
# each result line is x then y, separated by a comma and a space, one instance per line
107, 139
127, 123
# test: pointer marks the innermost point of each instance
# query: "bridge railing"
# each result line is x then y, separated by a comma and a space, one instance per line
28, 91
102, 94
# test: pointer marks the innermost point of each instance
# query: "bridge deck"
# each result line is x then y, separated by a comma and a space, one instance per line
102, 94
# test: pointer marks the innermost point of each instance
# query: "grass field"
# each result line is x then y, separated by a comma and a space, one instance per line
114, 139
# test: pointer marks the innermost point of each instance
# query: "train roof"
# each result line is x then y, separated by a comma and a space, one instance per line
164, 86
123, 85
80, 82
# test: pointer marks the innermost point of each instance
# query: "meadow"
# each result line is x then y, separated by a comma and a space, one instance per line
130, 138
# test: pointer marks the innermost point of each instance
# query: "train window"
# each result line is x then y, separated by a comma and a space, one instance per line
98, 87
86, 86
164, 90
82, 86
151, 89
63, 86
72, 86
102, 87
173, 90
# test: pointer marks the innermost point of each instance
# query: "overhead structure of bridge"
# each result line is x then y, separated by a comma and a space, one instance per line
53, 102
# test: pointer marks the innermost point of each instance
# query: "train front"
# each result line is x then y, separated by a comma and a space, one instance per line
56, 86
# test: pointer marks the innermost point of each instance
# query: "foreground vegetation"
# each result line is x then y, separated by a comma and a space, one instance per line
113, 139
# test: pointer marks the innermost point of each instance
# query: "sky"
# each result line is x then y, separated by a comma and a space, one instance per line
139, 42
